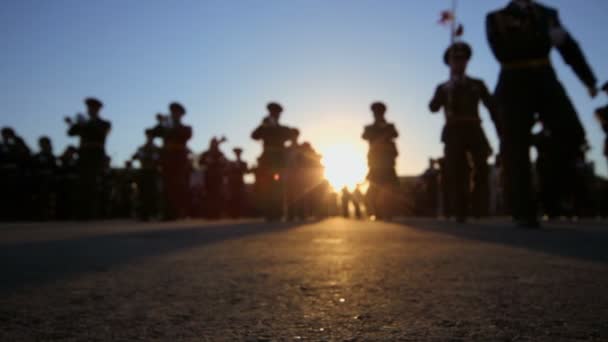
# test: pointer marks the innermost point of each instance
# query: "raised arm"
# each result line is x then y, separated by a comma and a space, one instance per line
438, 100
571, 52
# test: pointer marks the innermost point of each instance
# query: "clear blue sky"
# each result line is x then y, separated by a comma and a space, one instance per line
325, 60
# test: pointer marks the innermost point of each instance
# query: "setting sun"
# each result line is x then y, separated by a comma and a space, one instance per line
345, 165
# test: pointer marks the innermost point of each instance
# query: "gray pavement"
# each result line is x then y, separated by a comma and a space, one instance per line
334, 280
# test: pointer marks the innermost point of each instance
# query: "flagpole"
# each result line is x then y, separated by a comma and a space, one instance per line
454, 22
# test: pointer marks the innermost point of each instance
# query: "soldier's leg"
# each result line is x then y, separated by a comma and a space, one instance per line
514, 96
568, 136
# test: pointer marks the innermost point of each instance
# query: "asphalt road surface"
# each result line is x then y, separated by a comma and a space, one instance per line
334, 280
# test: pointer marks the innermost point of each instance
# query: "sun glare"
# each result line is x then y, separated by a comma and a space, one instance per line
345, 165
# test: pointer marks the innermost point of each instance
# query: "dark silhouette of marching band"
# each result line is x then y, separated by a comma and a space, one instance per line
171, 182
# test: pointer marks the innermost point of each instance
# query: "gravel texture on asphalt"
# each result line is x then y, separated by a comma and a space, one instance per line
331, 280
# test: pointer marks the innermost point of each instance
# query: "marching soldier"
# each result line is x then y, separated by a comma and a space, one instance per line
521, 36
214, 164
271, 164
462, 134
381, 159
174, 161
236, 185
91, 156
148, 156
44, 164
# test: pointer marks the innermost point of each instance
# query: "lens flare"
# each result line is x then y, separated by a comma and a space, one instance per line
345, 165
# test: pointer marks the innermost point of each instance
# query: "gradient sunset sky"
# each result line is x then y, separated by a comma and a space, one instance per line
324, 60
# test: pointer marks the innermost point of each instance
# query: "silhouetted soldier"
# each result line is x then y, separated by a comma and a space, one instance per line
521, 37
15, 168
214, 164
91, 156
67, 184
45, 172
462, 135
176, 167
236, 185
271, 164
148, 156
381, 162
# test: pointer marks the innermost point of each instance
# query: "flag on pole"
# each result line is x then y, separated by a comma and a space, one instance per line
446, 17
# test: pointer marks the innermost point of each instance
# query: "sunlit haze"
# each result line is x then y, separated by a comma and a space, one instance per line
344, 164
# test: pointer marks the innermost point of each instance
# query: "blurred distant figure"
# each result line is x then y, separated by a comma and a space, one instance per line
45, 172
14, 170
67, 184
122, 199
521, 36
345, 198
91, 156
272, 162
357, 198
236, 185
381, 159
174, 160
430, 178
214, 163
465, 143
148, 182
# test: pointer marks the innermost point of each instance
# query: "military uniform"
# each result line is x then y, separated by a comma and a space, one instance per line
175, 167
148, 156
464, 138
271, 165
521, 37
91, 160
381, 159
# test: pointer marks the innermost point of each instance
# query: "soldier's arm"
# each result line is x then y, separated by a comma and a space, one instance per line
157, 131
257, 133
74, 130
188, 133
438, 100
490, 103
367, 134
571, 52
393, 134
108, 127
602, 115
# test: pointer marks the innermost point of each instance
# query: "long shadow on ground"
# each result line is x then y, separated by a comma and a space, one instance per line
567, 240
34, 263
